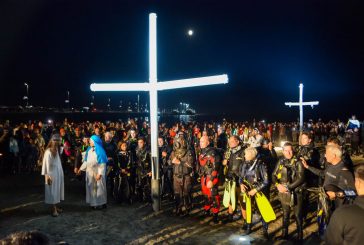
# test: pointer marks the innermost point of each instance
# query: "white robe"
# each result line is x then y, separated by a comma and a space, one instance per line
52, 166
96, 193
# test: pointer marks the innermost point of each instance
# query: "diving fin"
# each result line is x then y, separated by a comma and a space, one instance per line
226, 199
233, 195
265, 208
248, 206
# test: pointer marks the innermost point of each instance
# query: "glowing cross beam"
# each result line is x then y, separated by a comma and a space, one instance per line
183, 83
153, 87
301, 104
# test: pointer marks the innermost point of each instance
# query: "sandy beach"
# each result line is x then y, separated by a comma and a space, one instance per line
22, 208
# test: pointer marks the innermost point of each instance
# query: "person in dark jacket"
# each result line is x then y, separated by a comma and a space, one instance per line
311, 155
80, 152
222, 139
253, 178
233, 159
336, 175
269, 156
143, 171
124, 186
346, 224
111, 149
289, 179
355, 142
164, 151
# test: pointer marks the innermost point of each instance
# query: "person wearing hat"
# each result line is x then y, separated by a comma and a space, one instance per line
53, 174
94, 163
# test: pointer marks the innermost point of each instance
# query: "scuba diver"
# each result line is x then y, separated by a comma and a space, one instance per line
233, 160
182, 161
253, 179
208, 169
289, 179
143, 171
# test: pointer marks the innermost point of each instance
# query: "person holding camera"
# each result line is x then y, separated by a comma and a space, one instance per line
346, 224
53, 174
337, 176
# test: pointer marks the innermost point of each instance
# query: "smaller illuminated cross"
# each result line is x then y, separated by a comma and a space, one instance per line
301, 104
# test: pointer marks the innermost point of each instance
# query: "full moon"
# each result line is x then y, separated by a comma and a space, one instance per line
190, 32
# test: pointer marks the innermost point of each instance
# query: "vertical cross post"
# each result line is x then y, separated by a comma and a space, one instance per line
153, 101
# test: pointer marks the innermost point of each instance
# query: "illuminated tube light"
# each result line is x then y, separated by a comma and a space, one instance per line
310, 103
120, 87
152, 48
193, 82
183, 83
153, 100
153, 97
303, 103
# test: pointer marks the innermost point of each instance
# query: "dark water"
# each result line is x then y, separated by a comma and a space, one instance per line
108, 116
17, 117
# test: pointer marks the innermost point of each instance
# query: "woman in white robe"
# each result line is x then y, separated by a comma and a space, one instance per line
94, 163
53, 175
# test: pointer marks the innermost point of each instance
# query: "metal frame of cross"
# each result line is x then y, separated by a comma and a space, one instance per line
300, 104
153, 87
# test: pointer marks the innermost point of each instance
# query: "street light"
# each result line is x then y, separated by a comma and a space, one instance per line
121, 105
109, 105
138, 104
27, 96
67, 101
92, 100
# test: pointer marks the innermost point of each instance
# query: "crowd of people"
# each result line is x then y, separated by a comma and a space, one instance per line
114, 159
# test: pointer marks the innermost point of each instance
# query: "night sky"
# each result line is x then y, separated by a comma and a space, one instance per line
266, 48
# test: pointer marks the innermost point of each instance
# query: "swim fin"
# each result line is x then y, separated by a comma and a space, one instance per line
233, 195
226, 199
248, 206
265, 208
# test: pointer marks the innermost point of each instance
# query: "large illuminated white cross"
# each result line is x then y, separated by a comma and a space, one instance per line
301, 104
153, 87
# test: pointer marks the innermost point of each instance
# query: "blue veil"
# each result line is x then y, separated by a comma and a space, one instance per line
100, 152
